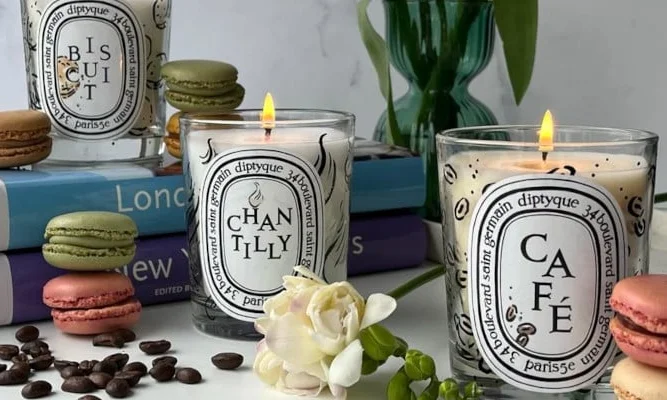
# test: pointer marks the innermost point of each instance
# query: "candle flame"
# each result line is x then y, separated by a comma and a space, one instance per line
268, 116
546, 133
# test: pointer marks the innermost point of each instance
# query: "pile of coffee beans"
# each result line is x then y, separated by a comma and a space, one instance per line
115, 374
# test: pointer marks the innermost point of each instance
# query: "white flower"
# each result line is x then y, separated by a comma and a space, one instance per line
311, 334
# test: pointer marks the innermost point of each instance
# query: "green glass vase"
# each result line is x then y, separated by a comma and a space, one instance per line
438, 46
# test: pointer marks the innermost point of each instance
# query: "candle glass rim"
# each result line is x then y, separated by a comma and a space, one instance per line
632, 136
326, 117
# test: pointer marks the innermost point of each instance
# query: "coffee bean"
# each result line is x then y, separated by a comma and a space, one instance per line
162, 372
7, 351
41, 363
136, 366
3, 367
132, 377
87, 366
89, 397
21, 366
227, 360
27, 334
70, 371
13, 377
78, 384
155, 347
118, 388
109, 340
36, 389
188, 375
21, 358
33, 343
100, 379
165, 359
105, 366
35, 348
126, 334
120, 359
522, 340
60, 364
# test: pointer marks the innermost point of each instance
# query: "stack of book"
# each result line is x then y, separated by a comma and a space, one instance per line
385, 233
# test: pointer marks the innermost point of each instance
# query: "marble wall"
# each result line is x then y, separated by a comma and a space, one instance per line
600, 62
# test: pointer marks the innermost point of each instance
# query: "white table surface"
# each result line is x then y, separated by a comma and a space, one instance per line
424, 309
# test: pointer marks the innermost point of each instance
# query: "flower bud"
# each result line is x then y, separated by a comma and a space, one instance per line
431, 391
472, 390
419, 366
401, 347
368, 365
378, 342
399, 387
449, 389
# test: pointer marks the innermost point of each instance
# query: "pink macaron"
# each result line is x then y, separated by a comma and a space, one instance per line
88, 303
640, 326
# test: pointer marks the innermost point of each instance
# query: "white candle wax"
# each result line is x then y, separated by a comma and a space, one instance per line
267, 204
526, 285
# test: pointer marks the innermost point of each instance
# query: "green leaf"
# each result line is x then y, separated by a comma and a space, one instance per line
517, 24
376, 47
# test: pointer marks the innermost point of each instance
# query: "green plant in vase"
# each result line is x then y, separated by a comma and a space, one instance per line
439, 46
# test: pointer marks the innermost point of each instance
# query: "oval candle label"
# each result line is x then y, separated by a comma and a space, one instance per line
92, 66
261, 214
545, 253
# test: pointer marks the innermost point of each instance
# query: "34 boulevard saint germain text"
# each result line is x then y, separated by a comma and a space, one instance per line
554, 268
253, 246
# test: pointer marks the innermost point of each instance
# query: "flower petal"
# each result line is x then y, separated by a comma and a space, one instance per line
378, 307
262, 325
290, 340
300, 384
345, 369
339, 392
351, 324
267, 366
309, 274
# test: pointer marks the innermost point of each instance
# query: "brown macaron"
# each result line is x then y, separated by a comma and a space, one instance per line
24, 137
173, 137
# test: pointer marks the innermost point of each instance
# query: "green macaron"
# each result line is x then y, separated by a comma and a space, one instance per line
205, 78
90, 241
217, 104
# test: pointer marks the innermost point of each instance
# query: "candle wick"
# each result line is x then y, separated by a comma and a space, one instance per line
544, 155
267, 133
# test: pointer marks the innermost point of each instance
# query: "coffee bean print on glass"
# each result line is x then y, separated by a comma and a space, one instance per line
534, 245
99, 80
263, 197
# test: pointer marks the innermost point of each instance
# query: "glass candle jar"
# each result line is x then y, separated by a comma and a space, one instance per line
262, 201
536, 235
94, 67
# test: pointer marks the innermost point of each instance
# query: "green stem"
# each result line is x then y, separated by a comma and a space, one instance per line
417, 282
660, 198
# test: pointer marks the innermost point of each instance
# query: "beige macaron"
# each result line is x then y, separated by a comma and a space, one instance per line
632, 380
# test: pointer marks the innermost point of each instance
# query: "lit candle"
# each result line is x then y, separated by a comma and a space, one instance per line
534, 242
272, 193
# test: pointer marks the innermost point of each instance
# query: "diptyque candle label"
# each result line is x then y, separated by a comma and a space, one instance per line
261, 213
91, 60
544, 255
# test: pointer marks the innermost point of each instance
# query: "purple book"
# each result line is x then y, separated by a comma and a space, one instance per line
385, 243
159, 273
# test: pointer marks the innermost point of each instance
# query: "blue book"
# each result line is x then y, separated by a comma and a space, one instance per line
383, 178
